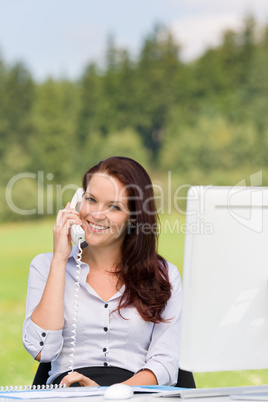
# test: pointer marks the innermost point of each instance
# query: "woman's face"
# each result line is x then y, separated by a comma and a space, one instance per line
104, 211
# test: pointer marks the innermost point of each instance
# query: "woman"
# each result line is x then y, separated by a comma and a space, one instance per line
129, 305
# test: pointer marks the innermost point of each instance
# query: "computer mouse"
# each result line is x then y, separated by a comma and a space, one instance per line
118, 391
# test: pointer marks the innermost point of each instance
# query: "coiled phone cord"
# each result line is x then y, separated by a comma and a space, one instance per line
75, 307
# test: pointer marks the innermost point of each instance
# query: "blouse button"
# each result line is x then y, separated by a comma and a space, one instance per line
104, 349
105, 329
105, 305
41, 343
105, 364
43, 334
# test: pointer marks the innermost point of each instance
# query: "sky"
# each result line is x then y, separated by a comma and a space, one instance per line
59, 38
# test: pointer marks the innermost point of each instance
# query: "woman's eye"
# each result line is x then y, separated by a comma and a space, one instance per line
90, 199
115, 207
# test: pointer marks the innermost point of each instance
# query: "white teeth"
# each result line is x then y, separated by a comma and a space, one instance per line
97, 227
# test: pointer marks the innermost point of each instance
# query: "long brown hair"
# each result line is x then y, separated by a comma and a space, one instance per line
142, 269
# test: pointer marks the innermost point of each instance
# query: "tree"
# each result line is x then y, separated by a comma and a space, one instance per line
91, 94
157, 71
16, 101
54, 145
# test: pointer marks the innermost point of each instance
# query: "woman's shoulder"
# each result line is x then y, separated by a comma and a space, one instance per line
171, 267
40, 265
42, 262
173, 271
42, 258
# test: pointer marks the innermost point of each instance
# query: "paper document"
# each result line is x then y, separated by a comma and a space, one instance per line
75, 392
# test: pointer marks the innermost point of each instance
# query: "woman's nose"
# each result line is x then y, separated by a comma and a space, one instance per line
99, 214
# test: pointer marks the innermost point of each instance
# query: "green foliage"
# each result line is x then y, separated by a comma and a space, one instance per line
16, 100
157, 72
120, 143
54, 129
126, 143
205, 120
211, 144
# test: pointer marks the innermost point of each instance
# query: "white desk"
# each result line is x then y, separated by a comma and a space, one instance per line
135, 398
193, 395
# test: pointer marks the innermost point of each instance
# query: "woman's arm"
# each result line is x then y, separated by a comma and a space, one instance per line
144, 377
42, 330
49, 314
37, 338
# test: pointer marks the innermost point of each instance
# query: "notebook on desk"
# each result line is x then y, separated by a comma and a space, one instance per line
260, 392
51, 392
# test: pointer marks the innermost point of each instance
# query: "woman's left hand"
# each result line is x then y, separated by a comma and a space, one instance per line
73, 377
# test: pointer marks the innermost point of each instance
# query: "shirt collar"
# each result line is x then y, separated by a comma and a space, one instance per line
83, 277
75, 250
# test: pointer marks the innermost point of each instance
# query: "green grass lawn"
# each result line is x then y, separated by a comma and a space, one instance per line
20, 242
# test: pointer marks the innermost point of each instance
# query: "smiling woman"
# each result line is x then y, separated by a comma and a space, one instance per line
130, 297
105, 210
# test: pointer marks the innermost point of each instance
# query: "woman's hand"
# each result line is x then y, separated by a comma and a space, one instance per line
49, 313
73, 377
62, 245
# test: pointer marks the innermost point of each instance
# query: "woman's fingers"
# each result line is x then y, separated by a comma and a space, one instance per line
73, 377
65, 219
66, 223
61, 232
66, 213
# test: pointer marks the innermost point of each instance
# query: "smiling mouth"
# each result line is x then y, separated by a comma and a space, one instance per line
97, 228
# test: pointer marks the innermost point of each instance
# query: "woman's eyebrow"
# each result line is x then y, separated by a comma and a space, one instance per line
108, 202
116, 202
89, 194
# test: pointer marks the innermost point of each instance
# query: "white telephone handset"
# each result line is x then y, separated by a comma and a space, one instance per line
77, 233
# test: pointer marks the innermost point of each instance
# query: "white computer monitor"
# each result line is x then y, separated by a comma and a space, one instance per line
225, 279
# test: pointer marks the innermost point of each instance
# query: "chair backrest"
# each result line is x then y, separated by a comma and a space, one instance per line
41, 374
185, 378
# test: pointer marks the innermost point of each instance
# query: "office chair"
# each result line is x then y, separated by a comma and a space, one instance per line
41, 374
185, 378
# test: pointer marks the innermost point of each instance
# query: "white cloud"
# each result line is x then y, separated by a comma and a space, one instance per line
241, 7
85, 39
197, 33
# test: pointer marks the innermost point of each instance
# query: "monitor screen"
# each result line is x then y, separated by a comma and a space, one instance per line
225, 279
